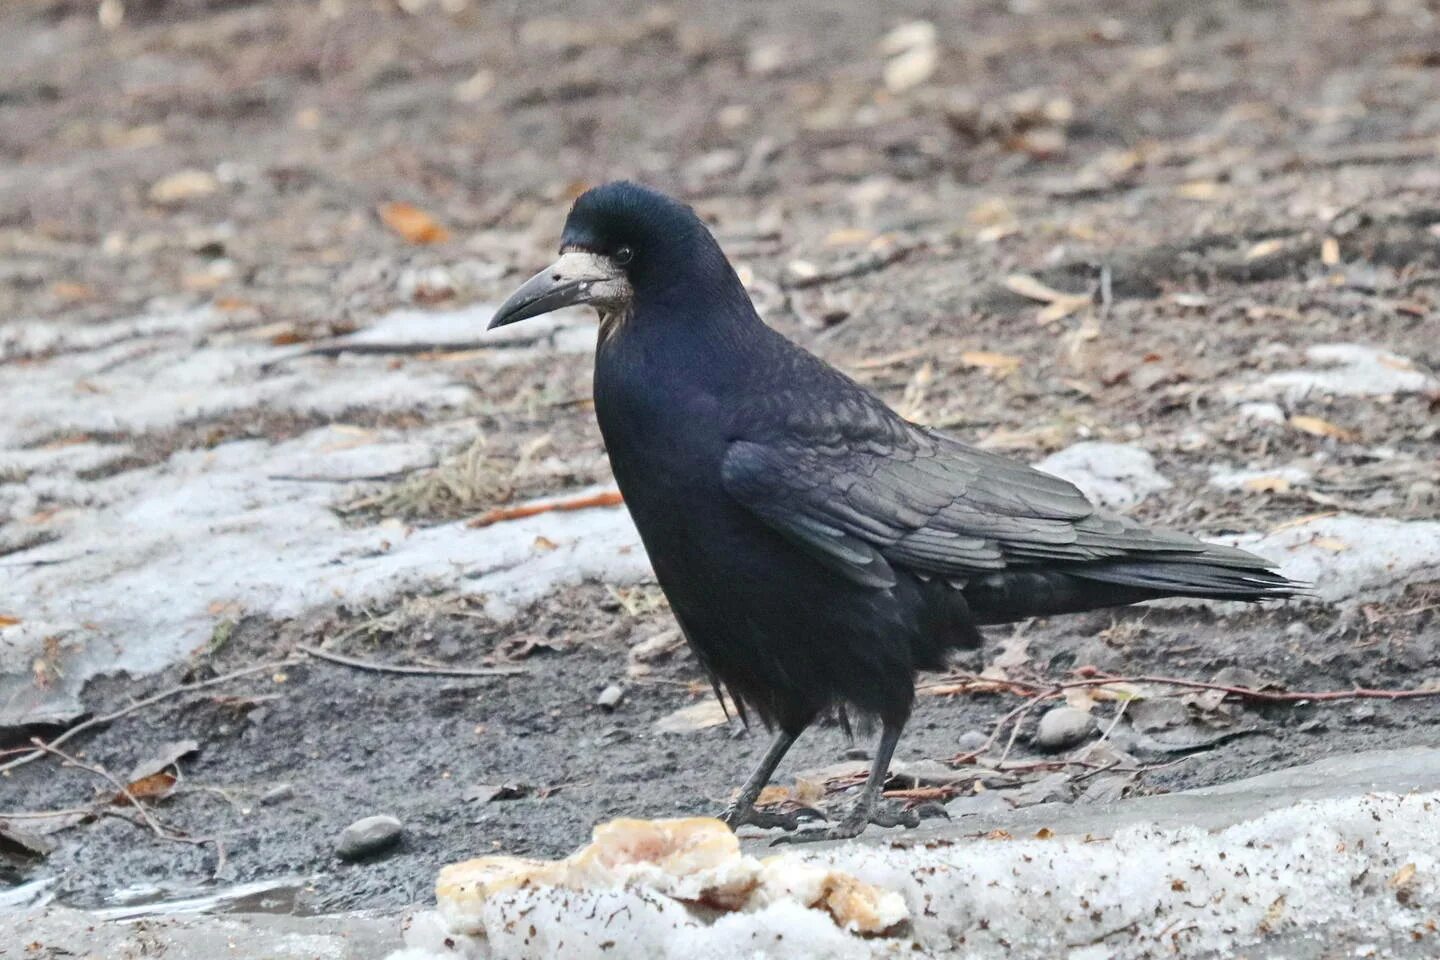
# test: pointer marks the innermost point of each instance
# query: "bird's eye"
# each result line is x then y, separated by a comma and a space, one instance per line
624, 255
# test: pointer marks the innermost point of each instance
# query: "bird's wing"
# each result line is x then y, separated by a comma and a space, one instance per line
865, 494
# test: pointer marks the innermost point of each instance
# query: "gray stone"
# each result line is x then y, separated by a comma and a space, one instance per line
277, 794
1157, 713
1051, 788
1063, 727
971, 740
367, 837
610, 697
1114, 475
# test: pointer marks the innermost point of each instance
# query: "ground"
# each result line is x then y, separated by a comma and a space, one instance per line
1039, 224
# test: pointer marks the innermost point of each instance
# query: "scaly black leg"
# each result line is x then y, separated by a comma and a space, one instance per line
742, 809
867, 810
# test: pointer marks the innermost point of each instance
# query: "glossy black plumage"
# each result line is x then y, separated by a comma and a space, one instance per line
816, 548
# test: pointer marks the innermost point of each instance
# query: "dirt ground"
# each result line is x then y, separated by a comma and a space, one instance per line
1229, 183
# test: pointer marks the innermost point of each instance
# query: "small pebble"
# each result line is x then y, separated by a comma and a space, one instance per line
366, 837
610, 697
970, 741
1063, 727
277, 794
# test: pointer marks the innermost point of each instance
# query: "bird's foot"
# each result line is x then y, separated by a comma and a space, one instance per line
882, 814
735, 817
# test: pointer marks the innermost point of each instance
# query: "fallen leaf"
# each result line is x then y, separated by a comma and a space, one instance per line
913, 53
849, 237
1302, 521
1200, 190
166, 756
544, 544
1403, 876
9, 621
1322, 428
908, 70
71, 291
773, 795
1271, 484
698, 716
1333, 544
475, 89
1027, 286
157, 786
1264, 249
412, 224
1330, 251
24, 842
1001, 363
182, 186
658, 647
1043, 437
1395, 363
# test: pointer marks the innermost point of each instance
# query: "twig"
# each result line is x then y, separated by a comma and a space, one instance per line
44, 814
606, 498
140, 705
155, 826
1024, 687
1263, 696
345, 661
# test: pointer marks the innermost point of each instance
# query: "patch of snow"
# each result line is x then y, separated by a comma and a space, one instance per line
1115, 476
1224, 478
1348, 557
566, 331
1342, 369
1261, 411
1367, 864
141, 579
142, 565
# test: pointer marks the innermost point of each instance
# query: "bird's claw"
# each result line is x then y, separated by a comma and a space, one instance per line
854, 824
735, 817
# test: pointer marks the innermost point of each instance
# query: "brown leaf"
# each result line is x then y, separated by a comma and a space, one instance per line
6, 621
157, 786
1322, 428
1271, 484
1027, 286
413, 224
1001, 363
1264, 249
1403, 876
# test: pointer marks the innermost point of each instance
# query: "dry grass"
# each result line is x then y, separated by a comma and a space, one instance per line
463, 484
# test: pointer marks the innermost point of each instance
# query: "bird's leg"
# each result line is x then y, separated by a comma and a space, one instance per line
867, 809
742, 809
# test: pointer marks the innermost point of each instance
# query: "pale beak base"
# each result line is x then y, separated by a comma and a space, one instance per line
577, 277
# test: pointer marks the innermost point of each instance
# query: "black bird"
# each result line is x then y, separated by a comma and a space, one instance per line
817, 548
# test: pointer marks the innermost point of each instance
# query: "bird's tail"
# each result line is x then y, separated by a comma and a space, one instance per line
1218, 573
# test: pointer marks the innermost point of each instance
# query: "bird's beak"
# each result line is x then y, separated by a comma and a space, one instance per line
577, 277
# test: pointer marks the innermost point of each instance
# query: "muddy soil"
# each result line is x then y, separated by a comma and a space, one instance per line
1233, 182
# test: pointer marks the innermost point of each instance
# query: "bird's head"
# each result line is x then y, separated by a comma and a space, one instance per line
623, 245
